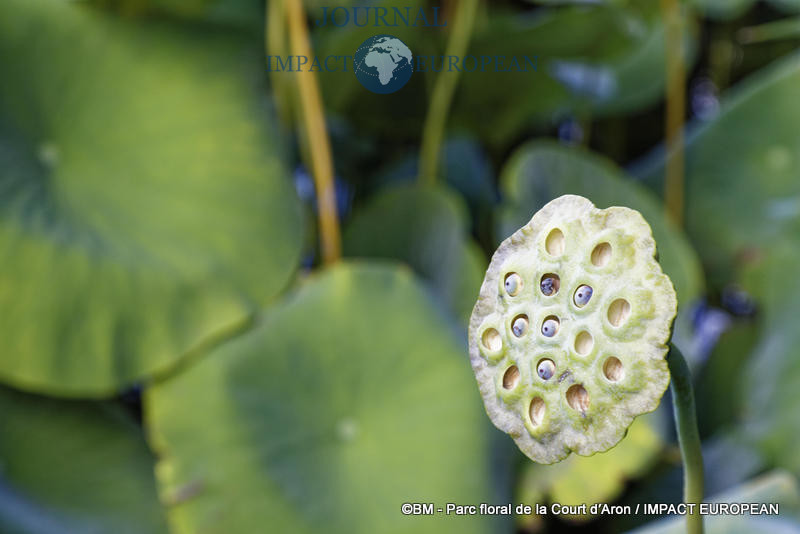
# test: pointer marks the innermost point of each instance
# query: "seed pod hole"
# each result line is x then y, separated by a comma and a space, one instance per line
613, 369
519, 326
511, 377
491, 340
546, 369
550, 326
601, 254
550, 284
555, 242
578, 398
582, 295
618, 312
584, 343
536, 411
513, 284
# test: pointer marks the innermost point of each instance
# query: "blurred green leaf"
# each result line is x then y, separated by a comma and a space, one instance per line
235, 12
786, 5
774, 487
742, 186
145, 209
722, 9
314, 7
602, 59
729, 458
465, 167
573, 2
543, 170
723, 373
770, 382
427, 229
593, 479
68, 467
730, 9
350, 397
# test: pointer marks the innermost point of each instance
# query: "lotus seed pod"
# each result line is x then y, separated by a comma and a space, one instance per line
568, 357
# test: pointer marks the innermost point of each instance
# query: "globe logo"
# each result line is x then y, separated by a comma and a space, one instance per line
383, 64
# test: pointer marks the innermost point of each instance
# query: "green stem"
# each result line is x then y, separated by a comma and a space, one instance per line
676, 109
688, 436
313, 116
275, 44
443, 90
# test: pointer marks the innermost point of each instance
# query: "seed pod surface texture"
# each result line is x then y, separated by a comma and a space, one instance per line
597, 312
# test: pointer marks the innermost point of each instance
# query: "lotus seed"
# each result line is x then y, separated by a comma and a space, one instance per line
519, 326
513, 284
550, 327
550, 284
582, 296
546, 369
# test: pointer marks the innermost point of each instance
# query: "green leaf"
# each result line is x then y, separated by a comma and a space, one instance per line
349, 398
572, 2
604, 59
730, 9
144, 207
237, 12
792, 6
742, 190
771, 381
722, 9
465, 167
722, 373
543, 170
593, 479
427, 229
597, 59
68, 466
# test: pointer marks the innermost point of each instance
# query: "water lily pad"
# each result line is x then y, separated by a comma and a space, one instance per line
68, 466
347, 399
601, 59
464, 166
742, 190
730, 9
770, 410
144, 207
425, 227
238, 12
722, 9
